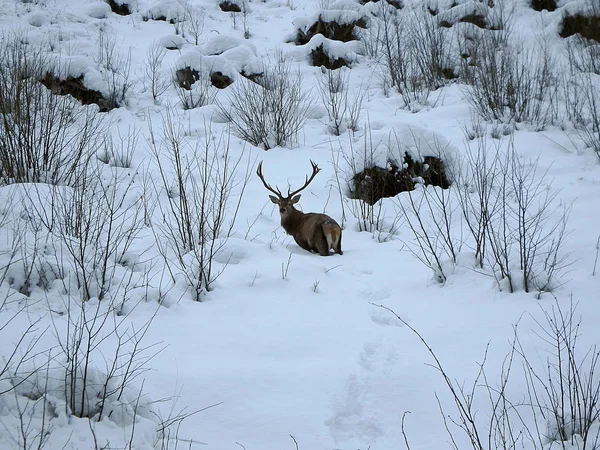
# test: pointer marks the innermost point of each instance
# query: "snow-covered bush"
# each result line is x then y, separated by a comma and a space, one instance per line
43, 137
582, 90
270, 112
343, 107
200, 187
416, 52
510, 84
518, 231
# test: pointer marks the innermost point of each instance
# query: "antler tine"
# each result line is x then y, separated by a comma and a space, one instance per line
315, 171
260, 175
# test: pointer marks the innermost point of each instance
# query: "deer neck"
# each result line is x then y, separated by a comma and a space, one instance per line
293, 221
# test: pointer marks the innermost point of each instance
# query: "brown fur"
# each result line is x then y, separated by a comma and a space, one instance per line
314, 232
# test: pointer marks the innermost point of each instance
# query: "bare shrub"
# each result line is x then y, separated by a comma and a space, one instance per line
193, 22
517, 228
118, 151
510, 83
416, 53
516, 225
558, 408
271, 113
200, 93
343, 109
115, 69
582, 87
155, 81
43, 137
203, 194
96, 223
477, 174
429, 212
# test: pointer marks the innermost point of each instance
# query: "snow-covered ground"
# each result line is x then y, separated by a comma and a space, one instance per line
288, 348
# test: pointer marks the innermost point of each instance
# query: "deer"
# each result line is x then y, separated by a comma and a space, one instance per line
314, 232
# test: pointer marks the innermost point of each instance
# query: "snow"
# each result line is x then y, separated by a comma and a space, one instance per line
287, 343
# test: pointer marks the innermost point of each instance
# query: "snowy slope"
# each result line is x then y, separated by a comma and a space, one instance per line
287, 343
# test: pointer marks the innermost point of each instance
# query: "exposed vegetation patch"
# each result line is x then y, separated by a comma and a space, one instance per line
586, 26
74, 87
476, 19
120, 8
343, 32
374, 183
186, 77
395, 3
220, 80
540, 5
320, 58
228, 6
253, 76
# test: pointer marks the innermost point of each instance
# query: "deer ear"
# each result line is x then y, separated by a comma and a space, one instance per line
274, 199
296, 199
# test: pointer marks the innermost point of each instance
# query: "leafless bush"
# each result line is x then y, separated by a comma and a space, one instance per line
154, 80
89, 391
477, 178
193, 22
560, 404
343, 109
509, 209
429, 212
517, 228
43, 137
115, 69
201, 93
582, 87
118, 151
583, 55
416, 53
271, 113
568, 384
201, 185
510, 83
96, 223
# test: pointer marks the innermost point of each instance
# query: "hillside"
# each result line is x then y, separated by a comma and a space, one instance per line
151, 299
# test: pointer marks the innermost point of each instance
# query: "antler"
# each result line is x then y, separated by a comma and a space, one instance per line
315, 171
260, 175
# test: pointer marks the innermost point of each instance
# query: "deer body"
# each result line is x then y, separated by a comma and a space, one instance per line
314, 232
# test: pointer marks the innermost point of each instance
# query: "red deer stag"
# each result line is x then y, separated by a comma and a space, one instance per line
317, 233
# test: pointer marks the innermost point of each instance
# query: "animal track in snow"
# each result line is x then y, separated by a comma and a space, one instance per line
352, 420
375, 356
385, 318
376, 295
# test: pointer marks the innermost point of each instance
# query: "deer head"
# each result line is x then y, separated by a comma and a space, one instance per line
286, 204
